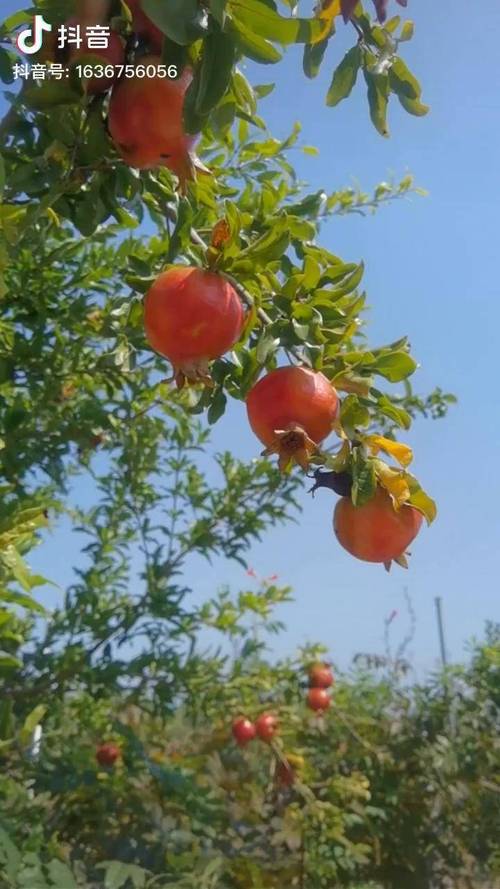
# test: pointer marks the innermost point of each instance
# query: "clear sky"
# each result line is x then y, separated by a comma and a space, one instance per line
431, 273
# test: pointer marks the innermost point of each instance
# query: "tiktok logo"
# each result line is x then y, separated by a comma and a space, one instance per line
29, 41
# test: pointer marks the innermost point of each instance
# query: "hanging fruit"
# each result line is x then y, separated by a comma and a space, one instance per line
192, 316
376, 531
292, 410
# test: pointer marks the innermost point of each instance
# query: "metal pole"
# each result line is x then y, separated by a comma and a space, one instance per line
442, 646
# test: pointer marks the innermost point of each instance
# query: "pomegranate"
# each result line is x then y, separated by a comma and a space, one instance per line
244, 731
267, 726
144, 27
145, 121
320, 676
291, 410
318, 699
376, 532
114, 55
192, 316
107, 754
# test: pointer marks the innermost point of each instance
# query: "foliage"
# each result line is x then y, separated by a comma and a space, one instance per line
395, 783
303, 302
130, 655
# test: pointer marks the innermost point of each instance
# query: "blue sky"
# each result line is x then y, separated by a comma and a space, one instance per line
431, 273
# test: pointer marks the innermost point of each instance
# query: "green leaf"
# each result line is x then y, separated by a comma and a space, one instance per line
264, 89
344, 77
397, 414
50, 94
138, 283
7, 61
395, 366
217, 407
402, 81
260, 18
413, 106
181, 234
117, 874
30, 723
244, 92
9, 856
393, 24
252, 45
2, 176
61, 875
218, 10
378, 97
364, 479
9, 662
211, 80
266, 347
22, 600
6, 719
17, 566
270, 245
180, 20
313, 57
353, 415
407, 31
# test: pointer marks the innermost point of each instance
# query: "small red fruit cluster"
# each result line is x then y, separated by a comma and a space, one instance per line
320, 680
265, 728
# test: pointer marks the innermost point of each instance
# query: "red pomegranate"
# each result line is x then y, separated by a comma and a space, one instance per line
107, 754
145, 121
376, 532
244, 731
318, 699
144, 27
267, 726
192, 316
291, 410
320, 676
114, 55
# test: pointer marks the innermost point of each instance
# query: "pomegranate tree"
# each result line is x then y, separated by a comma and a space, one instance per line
292, 410
192, 316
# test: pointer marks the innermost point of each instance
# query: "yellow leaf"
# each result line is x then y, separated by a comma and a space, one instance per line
53, 216
394, 481
401, 452
420, 500
327, 11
